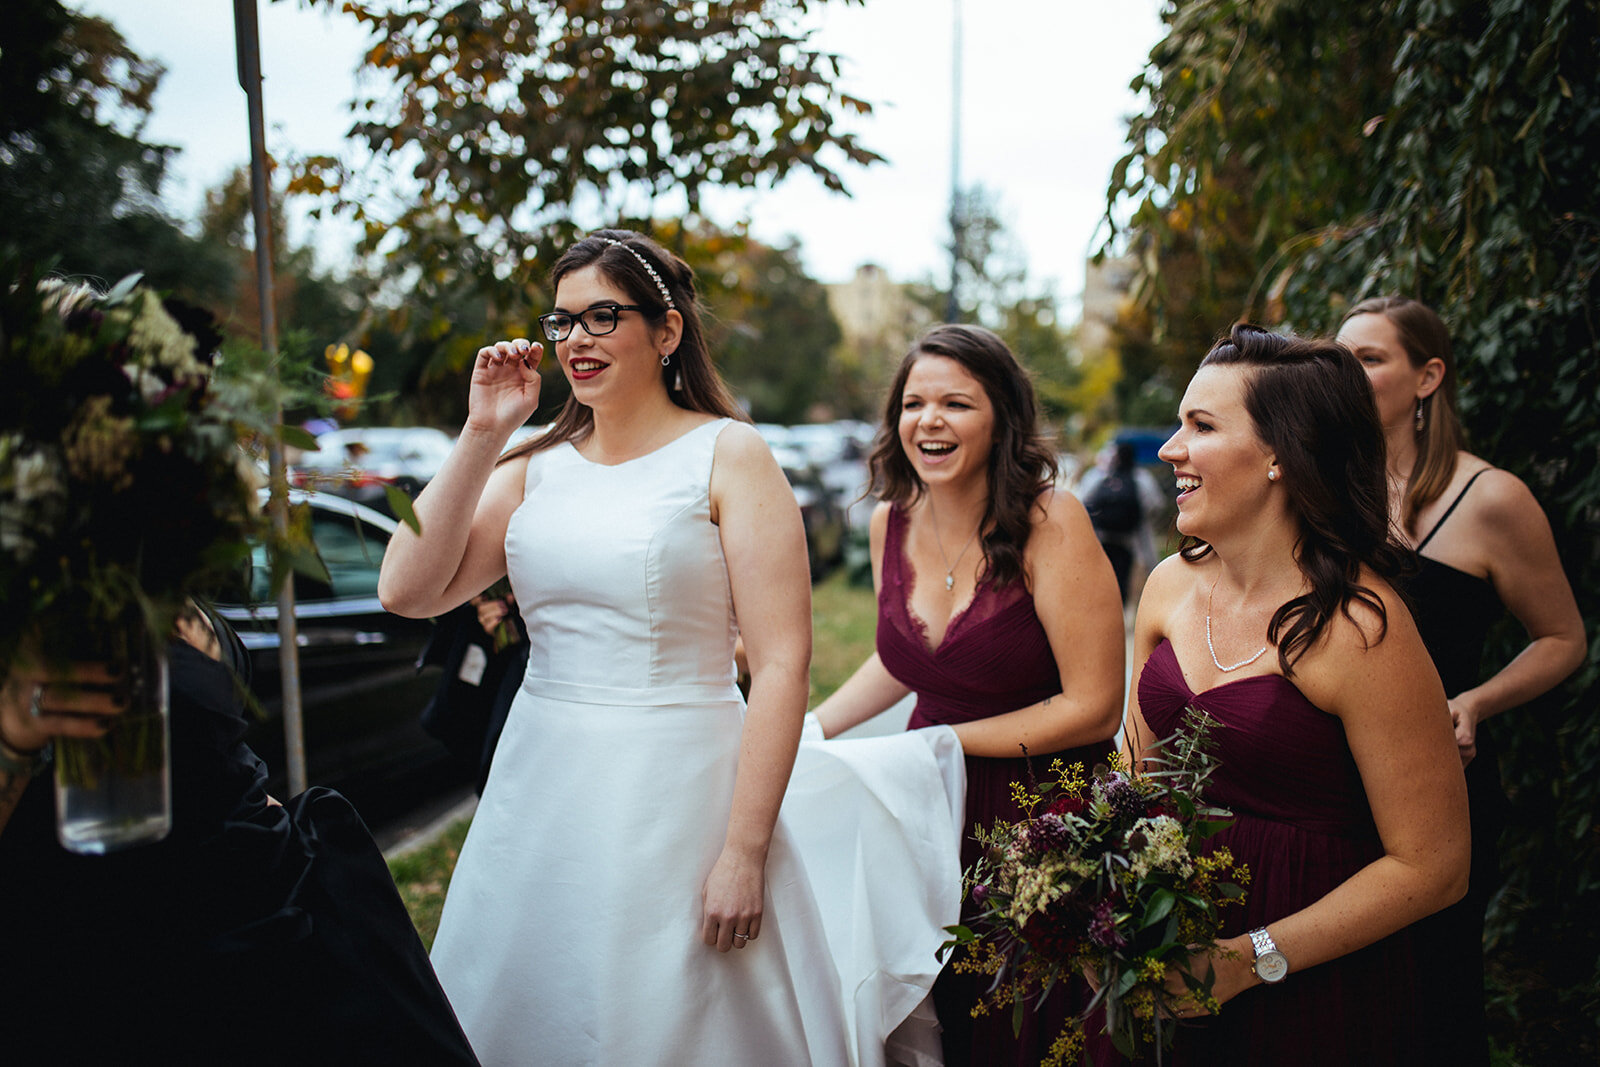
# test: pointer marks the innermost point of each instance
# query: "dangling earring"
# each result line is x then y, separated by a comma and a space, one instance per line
1420, 421
677, 380
666, 359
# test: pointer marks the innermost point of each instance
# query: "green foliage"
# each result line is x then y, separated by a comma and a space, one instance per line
1457, 162
79, 187
769, 323
1251, 139
994, 291
520, 123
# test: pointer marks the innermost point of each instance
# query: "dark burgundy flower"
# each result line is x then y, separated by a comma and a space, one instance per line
1103, 927
1068, 805
1048, 833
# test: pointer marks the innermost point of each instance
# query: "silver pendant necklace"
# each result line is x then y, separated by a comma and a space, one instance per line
949, 568
1212, 649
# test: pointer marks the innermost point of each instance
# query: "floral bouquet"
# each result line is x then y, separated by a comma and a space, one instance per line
1104, 877
123, 489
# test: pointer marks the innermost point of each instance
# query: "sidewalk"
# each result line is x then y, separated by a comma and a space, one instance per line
430, 822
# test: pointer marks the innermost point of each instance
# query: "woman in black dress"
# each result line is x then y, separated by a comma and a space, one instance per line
1483, 547
256, 932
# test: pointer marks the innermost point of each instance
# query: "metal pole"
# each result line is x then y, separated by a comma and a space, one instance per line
248, 36
952, 308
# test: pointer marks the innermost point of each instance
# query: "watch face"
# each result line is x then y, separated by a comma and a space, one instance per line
1272, 966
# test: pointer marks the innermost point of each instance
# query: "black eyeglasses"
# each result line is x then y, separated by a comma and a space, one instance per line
596, 321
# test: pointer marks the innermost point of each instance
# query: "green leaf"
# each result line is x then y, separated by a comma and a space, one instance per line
400, 504
298, 437
1159, 907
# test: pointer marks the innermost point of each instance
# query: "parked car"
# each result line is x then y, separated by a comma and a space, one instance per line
361, 691
359, 464
823, 518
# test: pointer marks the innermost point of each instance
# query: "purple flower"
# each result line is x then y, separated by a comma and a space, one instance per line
1048, 832
980, 893
1103, 927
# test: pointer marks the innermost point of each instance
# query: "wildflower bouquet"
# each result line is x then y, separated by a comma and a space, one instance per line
122, 485
1104, 877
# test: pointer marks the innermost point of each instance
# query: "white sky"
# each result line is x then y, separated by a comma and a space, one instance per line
1044, 102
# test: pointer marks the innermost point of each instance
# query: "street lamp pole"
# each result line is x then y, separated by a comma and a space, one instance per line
248, 37
952, 308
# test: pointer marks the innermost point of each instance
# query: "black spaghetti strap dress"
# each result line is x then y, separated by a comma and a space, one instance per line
1454, 611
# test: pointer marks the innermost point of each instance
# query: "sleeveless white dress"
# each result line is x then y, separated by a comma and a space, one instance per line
571, 930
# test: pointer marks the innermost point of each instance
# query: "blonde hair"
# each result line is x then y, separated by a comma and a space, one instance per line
1424, 336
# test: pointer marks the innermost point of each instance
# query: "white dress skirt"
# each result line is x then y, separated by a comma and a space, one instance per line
571, 930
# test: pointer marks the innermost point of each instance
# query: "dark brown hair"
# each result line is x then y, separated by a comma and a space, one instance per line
703, 389
1022, 462
1312, 406
1424, 336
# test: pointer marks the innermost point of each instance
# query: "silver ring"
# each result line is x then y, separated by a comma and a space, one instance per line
33, 705
742, 937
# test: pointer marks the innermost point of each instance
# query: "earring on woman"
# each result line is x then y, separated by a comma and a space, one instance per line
1420, 421
1272, 474
677, 379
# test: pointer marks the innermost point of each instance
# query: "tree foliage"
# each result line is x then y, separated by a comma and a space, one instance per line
79, 187
1251, 142
993, 290
769, 323
1452, 157
520, 123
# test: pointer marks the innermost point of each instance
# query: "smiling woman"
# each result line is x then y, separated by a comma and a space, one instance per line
1335, 753
1016, 646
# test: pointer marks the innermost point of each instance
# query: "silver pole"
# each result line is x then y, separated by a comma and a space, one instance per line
248, 37
952, 308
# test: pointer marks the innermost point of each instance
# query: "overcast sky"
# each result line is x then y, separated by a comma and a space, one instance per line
1045, 98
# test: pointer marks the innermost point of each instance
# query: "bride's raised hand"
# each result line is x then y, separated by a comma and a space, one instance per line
505, 385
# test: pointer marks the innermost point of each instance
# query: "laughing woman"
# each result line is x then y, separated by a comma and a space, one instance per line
996, 607
1278, 619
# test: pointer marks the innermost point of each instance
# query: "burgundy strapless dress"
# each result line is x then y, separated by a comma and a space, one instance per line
994, 658
1302, 824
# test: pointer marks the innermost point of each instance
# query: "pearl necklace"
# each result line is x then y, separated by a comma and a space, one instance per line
1212, 649
949, 568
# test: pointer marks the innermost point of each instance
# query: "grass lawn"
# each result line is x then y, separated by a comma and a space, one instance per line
843, 617
423, 875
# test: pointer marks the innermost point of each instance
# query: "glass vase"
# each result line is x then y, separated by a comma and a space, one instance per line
115, 791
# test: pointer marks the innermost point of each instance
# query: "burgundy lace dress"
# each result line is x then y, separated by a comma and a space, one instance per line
1302, 825
994, 658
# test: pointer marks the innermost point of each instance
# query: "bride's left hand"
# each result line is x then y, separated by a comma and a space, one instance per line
732, 901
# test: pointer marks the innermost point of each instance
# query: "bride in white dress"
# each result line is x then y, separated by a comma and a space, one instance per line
628, 893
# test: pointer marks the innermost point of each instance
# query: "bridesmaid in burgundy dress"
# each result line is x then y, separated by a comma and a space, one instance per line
1335, 741
996, 606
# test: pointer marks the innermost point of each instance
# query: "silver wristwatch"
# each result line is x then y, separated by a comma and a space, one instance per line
1271, 965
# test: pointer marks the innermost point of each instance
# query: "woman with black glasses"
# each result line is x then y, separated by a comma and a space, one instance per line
627, 893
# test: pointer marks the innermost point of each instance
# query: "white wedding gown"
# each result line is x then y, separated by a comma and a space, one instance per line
571, 931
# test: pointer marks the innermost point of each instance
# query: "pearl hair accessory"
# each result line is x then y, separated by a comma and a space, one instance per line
648, 269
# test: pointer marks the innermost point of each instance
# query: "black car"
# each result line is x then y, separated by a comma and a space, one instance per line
361, 691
